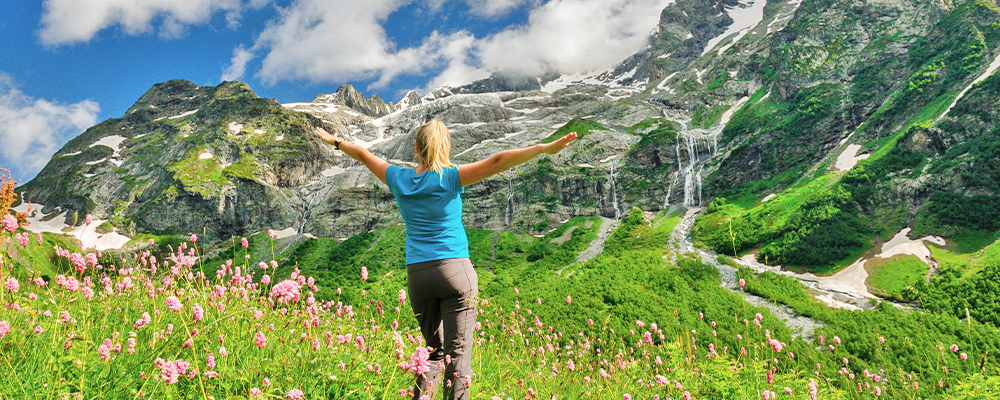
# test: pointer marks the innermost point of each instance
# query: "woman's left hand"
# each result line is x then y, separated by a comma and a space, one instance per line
326, 136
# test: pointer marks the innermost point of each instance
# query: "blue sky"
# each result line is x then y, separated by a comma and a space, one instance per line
68, 64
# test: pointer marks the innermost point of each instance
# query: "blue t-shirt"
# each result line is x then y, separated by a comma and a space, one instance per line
431, 206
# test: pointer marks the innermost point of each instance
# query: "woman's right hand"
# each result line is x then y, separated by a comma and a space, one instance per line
558, 145
326, 136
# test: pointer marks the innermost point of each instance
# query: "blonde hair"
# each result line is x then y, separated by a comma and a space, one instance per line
434, 144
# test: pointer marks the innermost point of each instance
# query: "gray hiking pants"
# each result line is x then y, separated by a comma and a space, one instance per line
442, 294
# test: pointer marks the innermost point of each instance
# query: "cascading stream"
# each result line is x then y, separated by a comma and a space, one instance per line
508, 215
666, 200
614, 193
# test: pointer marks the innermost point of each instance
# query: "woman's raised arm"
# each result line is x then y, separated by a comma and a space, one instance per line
507, 159
376, 165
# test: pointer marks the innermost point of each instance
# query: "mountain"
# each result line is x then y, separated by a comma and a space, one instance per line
810, 131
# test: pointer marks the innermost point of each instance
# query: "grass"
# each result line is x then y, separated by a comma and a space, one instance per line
581, 126
890, 277
971, 262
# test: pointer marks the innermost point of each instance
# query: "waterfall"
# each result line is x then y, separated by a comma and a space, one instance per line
680, 163
688, 187
508, 215
699, 184
614, 193
510, 201
666, 200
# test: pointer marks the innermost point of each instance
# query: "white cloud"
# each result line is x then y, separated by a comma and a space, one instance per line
569, 36
72, 21
32, 130
238, 64
321, 41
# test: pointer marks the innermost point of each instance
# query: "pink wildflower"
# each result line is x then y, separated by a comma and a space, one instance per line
194, 238
174, 304
364, 273
402, 296
78, 262
210, 361
255, 393
261, 340
10, 223
244, 243
270, 233
964, 356
90, 219
39, 330
569, 299
418, 362
286, 291
39, 238
104, 351
627, 397
295, 394
4, 328
11, 284
144, 320
197, 312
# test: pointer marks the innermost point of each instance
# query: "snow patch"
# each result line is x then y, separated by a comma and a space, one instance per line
745, 17
333, 171
903, 245
285, 233
71, 154
87, 234
849, 158
205, 156
113, 141
279, 137
235, 127
181, 115
989, 71
768, 197
726, 116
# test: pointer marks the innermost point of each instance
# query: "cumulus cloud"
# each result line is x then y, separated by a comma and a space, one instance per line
72, 21
320, 41
32, 130
569, 36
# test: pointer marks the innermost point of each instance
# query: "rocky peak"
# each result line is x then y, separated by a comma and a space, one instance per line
346, 95
411, 99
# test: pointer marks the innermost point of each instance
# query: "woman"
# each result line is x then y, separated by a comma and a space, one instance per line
440, 278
